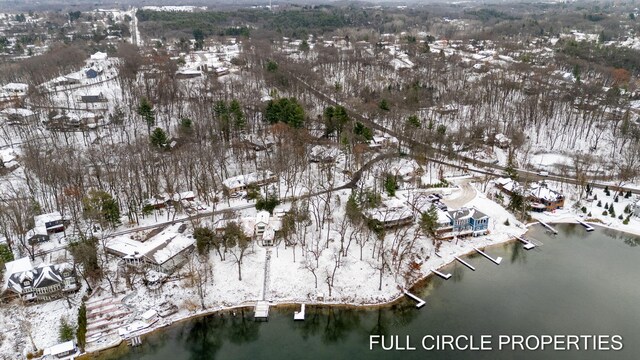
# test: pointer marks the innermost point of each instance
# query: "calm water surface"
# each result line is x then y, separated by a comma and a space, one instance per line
576, 283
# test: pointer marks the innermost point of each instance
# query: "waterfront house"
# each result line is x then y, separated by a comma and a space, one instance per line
165, 252
43, 282
463, 222
391, 213
543, 198
65, 350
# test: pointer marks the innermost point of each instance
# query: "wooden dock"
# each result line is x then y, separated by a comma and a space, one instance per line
135, 341
586, 226
466, 264
420, 302
299, 315
444, 276
495, 261
548, 227
528, 245
262, 310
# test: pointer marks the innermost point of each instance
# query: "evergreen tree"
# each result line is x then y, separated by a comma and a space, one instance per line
390, 185
413, 121
159, 138
286, 110
145, 110
384, 105
65, 331
204, 238
81, 334
102, 207
268, 204
362, 131
429, 221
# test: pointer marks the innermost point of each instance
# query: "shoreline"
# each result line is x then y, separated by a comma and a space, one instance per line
395, 298
422, 281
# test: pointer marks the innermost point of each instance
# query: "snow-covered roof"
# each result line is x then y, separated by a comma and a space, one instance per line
542, 192
61, 348
40, 276
323, 153
16, 266
17, 111
157, 250
391, 211
16, 87
262, 217
44, 219
183, 195
149, 314
99, 56
467, 213
248, 179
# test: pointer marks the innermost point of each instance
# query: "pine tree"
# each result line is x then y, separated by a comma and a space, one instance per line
81, 334
65, 331
146, 111
159, 138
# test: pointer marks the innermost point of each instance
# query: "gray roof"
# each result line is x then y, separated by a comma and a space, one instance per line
467, 213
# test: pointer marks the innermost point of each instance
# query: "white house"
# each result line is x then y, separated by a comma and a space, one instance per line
65, 350
392, 213
241, 182
636, 209
164, 252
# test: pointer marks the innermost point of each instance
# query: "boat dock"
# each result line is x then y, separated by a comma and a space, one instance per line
444, 276
466, 264
420, 301
135, 341
528, 245
548, 227
495, 261
262, 310
586, 226
299, 315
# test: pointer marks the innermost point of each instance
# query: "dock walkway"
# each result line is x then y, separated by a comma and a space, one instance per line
586, 226
420, 302
496, 261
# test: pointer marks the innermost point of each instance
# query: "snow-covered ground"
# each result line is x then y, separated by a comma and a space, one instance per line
356, 281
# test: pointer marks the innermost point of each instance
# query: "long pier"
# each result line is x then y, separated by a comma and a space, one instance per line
444, 276
420, 301
548, 227
528, 245
495, 261
466, 264
586, 226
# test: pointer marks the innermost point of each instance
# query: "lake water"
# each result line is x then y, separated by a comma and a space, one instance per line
576, 283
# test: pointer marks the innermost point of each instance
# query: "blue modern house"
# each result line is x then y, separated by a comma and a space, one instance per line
464, 222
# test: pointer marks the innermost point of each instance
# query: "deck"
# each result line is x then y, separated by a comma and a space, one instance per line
420, 302
586, 226
466, 264
262, 310
299, 315
444, 276
496, 261
528, 245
